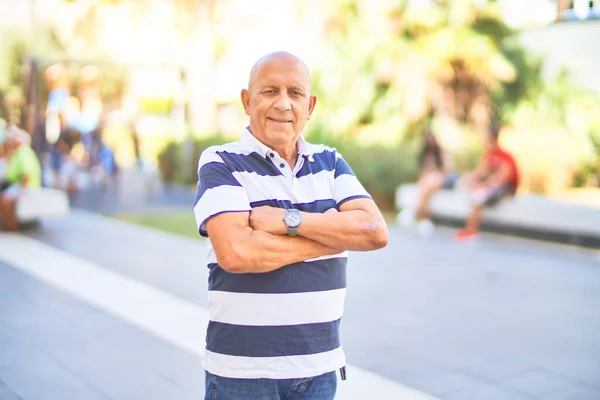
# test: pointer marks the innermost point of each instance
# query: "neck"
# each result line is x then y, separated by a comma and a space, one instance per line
288, 153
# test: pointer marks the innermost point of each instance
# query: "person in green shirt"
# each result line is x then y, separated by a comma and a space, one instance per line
23, 171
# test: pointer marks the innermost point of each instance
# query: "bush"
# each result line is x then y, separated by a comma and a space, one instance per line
178, 161
588, 175
380, 169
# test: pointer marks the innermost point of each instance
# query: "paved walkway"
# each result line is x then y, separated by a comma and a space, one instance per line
93, 308
133, 192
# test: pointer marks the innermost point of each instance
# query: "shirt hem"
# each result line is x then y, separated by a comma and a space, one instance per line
250, 374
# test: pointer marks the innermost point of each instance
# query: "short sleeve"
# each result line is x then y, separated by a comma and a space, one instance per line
346, 184
219, 191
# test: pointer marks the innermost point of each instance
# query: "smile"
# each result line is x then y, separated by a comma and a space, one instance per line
278, 120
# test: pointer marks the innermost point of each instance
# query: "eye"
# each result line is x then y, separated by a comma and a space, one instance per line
296, 93
269, 91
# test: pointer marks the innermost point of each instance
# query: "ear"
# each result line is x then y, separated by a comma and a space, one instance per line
246, 101
311, 105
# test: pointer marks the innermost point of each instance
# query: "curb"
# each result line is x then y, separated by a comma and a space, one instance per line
562, 237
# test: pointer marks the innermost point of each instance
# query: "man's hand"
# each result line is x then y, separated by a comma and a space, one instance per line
268, 219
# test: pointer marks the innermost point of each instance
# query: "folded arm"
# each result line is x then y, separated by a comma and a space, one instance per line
358, 226
241, 249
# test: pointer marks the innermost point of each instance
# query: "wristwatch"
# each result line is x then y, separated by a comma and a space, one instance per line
292, 220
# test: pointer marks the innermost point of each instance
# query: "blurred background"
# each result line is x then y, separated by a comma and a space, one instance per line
152, 83
120, 97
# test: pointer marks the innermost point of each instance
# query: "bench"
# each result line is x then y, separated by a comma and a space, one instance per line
525, 214
42, 203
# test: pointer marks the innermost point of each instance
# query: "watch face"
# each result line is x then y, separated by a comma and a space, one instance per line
293, 218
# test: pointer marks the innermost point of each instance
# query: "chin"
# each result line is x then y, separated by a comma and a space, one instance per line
281, 136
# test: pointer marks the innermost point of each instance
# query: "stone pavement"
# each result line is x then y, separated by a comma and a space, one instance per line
499, 319
134, 192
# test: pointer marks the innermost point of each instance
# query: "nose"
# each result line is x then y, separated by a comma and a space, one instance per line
282, 102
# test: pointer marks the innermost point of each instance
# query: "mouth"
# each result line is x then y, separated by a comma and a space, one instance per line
280, 120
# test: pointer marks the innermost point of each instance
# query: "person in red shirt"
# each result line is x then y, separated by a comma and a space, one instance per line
496, 177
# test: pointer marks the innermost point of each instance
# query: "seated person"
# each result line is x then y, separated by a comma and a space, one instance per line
62, 165
3, 161
436, 173
496, 177
23, 171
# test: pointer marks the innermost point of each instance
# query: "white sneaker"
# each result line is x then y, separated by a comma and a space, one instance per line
425, 228
406, 218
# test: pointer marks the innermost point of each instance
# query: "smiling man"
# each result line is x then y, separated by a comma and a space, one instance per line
279, 214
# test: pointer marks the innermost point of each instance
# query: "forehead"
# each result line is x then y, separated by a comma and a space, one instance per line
283, 71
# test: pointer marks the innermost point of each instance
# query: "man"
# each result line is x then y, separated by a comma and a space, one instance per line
23, 171
496, 177
279, 214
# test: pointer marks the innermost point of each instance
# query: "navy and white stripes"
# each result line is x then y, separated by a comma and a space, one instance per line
285, 323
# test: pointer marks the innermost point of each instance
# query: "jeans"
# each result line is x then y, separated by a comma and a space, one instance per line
316, 388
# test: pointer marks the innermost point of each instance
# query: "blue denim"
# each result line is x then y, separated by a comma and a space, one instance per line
321, 387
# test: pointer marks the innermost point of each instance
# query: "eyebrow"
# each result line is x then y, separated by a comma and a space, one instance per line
297, 88
293, 87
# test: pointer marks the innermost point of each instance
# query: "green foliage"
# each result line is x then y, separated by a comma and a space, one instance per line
380, 168
16, 47
380, 82
150, 105
178, 222
177, 161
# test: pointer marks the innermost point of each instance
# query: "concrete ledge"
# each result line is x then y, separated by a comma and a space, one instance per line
527, 215
42, 203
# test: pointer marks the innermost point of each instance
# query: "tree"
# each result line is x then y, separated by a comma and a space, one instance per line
448, 60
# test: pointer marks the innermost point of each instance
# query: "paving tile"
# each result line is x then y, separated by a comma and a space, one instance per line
6, 393
406, 362
583, 366
16, 353
375, 354
8, 334
497, 367
426, 376
576, 391
440, 384
135, 379
185, 372
537, 382
84, 393
41, 377
87, 352
486, 392
161, 393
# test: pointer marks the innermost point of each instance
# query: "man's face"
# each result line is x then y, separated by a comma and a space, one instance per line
279, 101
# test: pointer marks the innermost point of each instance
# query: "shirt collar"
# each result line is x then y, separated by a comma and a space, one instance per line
252, 143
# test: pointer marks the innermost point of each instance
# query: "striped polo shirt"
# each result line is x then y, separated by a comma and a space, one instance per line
285, 323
